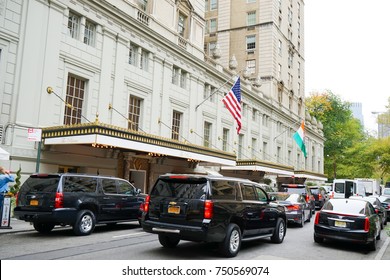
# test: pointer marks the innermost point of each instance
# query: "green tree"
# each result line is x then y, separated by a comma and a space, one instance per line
341, 130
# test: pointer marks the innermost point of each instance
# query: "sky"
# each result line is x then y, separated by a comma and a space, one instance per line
347, 51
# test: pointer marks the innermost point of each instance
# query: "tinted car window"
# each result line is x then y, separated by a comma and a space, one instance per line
345, 206
125, 188
261, 195
79, 184
224, 190
41, 184
249, 192
297, 190
191, 188
109, 186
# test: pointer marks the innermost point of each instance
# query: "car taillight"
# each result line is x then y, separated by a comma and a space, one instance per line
331, 195
293, 207
142, 207
367, 225
317, 219
208, 209
146, 204
319, 196
377, 211
307, 198
59, 200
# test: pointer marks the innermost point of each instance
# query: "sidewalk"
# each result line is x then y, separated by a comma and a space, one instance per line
16, 225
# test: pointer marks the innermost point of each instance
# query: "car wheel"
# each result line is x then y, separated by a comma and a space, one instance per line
318, 239
302, 223
279, 232
43, 227
85, 223
232, 242
168, 241
372, 245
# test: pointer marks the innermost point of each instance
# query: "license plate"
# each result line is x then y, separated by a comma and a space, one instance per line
340, 224
34, 202
174, 209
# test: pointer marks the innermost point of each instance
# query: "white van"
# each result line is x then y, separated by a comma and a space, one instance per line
343, 188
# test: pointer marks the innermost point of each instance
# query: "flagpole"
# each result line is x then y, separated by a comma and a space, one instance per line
286, 129
215, 91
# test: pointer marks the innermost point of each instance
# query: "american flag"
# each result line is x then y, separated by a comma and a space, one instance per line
232, 101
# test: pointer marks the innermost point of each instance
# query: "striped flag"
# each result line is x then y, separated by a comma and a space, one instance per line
299, 137
232, 101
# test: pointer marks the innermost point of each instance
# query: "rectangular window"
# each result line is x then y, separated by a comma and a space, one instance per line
213, 25
134, 113
213, 4
251, 66
74, 25
143, 4
144, 60
250, 42
280, 45
225, 139
183, 79
207, 134
175, 75
89, 33
181, 24
74, 100
176, 120
251, 18
133, 55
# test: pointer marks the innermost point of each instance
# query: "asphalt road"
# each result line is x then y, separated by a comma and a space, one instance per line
129, 242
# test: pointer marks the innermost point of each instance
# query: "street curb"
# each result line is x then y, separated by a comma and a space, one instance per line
382, 251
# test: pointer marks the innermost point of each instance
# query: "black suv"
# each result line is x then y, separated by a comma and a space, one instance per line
211, 209
78, 200
300, 189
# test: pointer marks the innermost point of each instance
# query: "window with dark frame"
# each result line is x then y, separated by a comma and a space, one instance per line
74, 100
176, 121
134, 112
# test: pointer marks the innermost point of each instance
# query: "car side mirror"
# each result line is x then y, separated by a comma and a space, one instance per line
138, 191
272, 198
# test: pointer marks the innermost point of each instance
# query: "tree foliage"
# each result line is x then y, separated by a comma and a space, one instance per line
341, 130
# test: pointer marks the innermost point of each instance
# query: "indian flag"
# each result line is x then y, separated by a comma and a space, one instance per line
299, 137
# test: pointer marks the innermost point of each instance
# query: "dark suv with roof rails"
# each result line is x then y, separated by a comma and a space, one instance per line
300, 189
81, 201
206, 208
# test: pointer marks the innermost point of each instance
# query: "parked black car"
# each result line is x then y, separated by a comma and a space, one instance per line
207, 208
297, 209
379, 209
82, 201
385, 201
319, 194
348, 220
300, 189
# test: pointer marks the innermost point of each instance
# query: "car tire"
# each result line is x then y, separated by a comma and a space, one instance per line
85, 223
231, 245
279, 232
372, 246
43, 227
303, 219
318, 239
168, 241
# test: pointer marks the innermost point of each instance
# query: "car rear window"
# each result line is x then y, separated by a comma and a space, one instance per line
347, 206
190, 188
314, 191
41, 184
